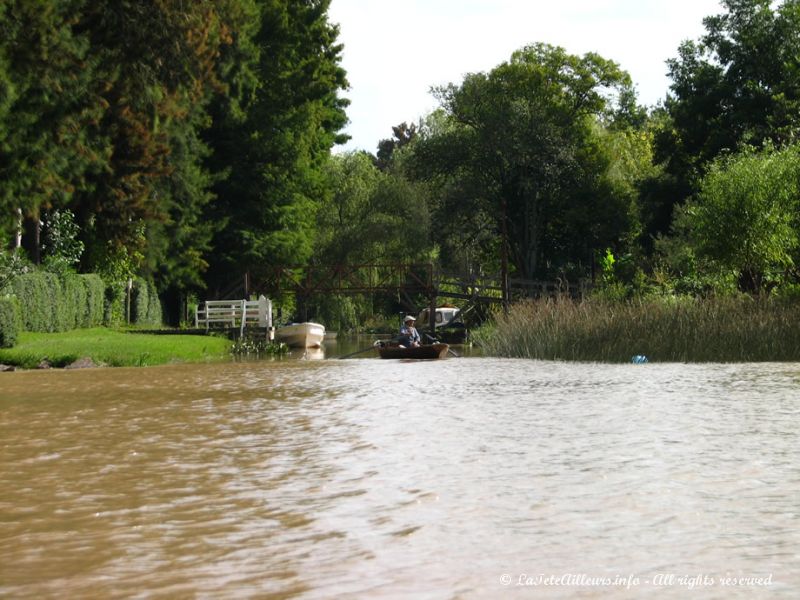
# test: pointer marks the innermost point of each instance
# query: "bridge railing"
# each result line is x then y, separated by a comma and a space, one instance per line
346, 279
489, 288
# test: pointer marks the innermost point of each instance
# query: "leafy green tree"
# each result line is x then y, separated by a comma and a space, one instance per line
745, 217
274, 143
739, 84
371, 216
61, 247
523, 150
402, 135
169, 128
353, 179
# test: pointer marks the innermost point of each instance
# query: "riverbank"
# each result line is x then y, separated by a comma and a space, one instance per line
107, 347
734, 329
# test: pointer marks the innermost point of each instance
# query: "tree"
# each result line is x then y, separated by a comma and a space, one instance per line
738, 85
745, 217
46, 108
156, 70
402, 135
370, 216
274, 143
524, 151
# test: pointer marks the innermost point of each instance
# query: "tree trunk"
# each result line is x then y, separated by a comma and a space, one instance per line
504, 255
31, 238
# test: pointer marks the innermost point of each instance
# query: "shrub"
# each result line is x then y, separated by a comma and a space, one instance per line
72, 308
34, 292
114, 305
145, 304
92, 315
140, 300
10, 321
155, 312
51, 302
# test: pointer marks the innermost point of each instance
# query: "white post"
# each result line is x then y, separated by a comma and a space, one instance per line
268, 319
244, 318
262, 311
18, 241
129, 287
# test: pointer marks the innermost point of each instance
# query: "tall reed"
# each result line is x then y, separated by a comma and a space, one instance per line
727, 329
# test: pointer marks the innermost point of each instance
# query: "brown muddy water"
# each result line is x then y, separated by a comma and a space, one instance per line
362, 478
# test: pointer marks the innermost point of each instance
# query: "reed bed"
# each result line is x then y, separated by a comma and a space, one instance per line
729, 329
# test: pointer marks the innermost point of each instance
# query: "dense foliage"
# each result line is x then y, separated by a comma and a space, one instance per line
171, 147
59, 302
10, 321
179, 134
525, 148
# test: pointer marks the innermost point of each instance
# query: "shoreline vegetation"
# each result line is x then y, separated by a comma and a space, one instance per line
134, 171
717, 329
720, 329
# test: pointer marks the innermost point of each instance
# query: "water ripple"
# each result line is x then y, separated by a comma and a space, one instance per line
367, 478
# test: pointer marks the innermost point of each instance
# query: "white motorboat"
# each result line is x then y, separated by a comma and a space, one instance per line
444, 316
301, 335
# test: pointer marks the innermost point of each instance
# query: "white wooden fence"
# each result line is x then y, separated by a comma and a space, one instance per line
230, 312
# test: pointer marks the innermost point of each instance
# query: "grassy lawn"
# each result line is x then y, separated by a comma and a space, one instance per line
113, 348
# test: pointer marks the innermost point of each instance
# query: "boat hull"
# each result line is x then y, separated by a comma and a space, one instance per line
301, 335
420, 352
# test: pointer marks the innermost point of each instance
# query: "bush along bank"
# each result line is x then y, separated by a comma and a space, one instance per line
10, 321
672, 329
49, 302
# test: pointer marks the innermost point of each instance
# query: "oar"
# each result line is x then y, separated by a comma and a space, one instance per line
359, 352
435, 341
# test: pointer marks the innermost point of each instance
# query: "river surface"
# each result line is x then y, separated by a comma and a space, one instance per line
362, 478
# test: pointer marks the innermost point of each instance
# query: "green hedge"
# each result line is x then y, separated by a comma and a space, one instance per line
10, 321
95, 295
69, 314
38, 294
145, 304
155, 312
114, 305
51, 302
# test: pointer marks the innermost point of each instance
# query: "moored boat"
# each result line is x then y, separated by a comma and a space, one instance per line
448, 324
444, 315
386, 350
301, 335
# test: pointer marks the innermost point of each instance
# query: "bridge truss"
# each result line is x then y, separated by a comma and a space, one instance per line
405, 280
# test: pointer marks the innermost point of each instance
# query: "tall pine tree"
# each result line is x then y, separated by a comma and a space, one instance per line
274, 146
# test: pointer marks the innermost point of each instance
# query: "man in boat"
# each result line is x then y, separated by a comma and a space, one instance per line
409, 336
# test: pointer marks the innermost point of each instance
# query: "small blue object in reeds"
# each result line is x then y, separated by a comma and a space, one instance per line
639, 359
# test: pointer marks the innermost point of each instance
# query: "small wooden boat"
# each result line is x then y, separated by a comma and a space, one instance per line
301, 335
387, 350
